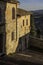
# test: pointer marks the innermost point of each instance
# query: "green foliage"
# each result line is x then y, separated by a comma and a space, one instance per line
32, 31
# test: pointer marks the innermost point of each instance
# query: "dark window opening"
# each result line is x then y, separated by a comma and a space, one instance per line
13, 13
27, 22
23, 22
12, 35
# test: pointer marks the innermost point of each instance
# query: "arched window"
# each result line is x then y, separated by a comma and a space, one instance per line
13, 13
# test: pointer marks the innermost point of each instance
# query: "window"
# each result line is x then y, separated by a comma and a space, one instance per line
23, 22
27, 22
13, 13
12, 35
0, 15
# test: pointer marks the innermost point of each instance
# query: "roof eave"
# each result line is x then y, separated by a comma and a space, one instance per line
14, 2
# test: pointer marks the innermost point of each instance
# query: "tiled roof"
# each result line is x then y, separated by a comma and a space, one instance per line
11, 1
23, 12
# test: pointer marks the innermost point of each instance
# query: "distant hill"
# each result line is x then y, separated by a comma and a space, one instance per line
38, 11
38, 14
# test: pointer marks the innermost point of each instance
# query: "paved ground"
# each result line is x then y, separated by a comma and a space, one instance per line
28, 57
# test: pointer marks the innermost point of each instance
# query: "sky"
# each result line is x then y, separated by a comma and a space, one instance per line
31, 4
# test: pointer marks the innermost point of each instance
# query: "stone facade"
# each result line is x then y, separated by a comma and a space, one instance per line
23, 30
7, 26
10, 27
15, 32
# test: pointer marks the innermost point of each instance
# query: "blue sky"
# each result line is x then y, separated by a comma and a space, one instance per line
31, 4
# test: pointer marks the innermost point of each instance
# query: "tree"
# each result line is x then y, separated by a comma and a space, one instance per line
32, 24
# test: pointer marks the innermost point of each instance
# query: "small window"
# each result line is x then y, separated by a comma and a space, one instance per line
12, 35
13, 13
23, 22
27, 22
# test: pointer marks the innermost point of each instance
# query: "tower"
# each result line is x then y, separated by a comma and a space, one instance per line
8, 32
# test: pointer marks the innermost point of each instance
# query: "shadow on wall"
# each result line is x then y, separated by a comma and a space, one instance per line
3, 30
36, 42
23, 43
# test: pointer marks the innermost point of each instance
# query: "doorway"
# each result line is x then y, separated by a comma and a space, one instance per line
22, 44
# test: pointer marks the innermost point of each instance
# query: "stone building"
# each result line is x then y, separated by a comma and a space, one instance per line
14, 27
8, 31
23, 25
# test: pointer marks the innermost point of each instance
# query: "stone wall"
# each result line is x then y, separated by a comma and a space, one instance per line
36, 42
23, 30
10, 27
